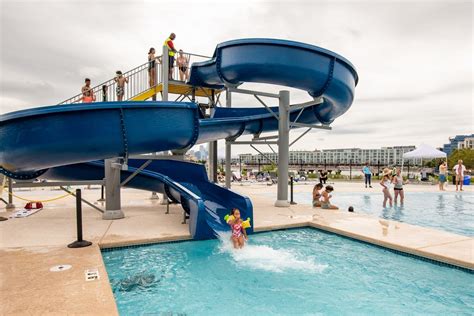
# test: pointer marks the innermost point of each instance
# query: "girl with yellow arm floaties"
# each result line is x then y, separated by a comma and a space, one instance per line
237, 226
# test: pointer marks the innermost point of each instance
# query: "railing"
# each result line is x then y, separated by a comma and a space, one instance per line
138, 81
191, 58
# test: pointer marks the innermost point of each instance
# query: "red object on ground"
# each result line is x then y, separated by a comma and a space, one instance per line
33, 205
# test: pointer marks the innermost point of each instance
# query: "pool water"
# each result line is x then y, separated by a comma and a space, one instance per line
449, 211
291, 272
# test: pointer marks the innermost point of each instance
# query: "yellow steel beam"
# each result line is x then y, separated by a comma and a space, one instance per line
175, 88
147, 93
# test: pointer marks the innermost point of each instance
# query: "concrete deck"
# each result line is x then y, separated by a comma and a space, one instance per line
31, 246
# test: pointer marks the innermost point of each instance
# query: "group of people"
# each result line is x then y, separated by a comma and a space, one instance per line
392, 178
182, 62
458, 173
321, 198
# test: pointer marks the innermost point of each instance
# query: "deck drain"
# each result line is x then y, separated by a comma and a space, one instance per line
60, 267
91, 274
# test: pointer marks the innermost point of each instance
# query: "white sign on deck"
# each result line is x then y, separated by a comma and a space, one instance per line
91, 274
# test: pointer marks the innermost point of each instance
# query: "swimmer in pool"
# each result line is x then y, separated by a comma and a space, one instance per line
239, 235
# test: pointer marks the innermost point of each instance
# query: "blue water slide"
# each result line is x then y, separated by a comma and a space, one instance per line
35, 140
316, 70
185, 183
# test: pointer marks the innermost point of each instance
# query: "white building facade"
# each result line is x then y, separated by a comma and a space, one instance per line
387, 156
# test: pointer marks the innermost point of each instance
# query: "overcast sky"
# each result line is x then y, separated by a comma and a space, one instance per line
414, 58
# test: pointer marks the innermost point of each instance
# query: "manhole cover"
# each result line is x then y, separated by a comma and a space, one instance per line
60, 267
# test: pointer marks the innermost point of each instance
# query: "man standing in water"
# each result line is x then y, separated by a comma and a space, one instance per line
459, 170
171, 52
368, 174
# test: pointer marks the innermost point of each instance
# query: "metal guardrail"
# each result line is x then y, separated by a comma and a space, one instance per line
138, 81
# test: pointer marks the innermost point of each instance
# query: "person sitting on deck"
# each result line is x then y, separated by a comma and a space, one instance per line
325, 204
317, 195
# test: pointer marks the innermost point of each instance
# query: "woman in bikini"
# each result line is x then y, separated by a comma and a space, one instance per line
386, 184
151, 67
183, 63
239, 235
397, 181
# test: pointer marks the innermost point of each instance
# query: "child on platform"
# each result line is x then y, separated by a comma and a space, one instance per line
239, 235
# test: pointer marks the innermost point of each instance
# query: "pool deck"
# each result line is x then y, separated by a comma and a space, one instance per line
31, 246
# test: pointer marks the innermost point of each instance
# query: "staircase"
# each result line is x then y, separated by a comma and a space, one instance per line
138, 87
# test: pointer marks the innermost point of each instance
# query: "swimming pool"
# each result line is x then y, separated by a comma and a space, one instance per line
449, 211
291, 272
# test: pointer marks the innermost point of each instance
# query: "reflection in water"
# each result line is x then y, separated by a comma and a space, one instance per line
398, 213
386, 213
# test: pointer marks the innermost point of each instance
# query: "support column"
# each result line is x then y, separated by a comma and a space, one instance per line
213, 161
164, 72
10, 204
113, 208
228, 148
212, 146
283, 148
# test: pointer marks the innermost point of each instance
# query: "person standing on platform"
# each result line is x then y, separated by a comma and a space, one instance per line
104, 94
367, 174
151, 67
87, 92
121, 81
171, 52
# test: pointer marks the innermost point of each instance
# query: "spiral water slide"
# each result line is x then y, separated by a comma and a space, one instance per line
68, 142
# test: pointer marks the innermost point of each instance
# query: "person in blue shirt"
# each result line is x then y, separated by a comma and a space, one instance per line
368, 174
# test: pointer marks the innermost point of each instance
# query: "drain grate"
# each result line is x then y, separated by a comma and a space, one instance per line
92, 274
60, 267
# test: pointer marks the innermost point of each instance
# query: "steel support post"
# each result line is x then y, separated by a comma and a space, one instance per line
213, 150
10, 204
228, 150
113, 208
165, 72
283, 148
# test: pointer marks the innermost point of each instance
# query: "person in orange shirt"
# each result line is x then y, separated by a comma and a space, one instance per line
87, 92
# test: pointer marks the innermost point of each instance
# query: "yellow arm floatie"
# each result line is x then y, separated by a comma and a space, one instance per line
246, 223
229, 218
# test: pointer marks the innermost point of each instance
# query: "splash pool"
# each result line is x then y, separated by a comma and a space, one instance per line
292, 272
449, 211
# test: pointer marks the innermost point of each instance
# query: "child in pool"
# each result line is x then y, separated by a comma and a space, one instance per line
239, 235
317, 195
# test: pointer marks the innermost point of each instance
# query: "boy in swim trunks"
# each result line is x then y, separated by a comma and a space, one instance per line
317, 195
325, 204
121, 80
238, 231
